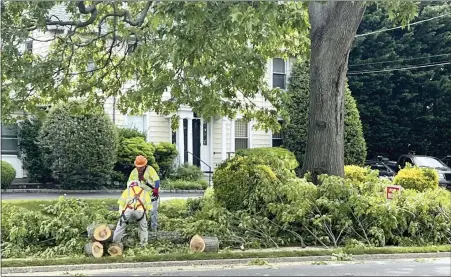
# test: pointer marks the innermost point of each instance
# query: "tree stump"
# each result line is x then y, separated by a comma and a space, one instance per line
100, 232
115, 249
94, 249
204, 244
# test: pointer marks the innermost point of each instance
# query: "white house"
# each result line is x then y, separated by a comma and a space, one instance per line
199, 142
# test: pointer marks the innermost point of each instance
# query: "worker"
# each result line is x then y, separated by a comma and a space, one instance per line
148, 179
133, 206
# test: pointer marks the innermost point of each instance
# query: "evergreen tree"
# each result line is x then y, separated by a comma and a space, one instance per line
295, 129
404, 110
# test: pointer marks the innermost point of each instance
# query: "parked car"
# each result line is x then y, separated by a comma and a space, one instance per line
383, 165
444, 172
447, 160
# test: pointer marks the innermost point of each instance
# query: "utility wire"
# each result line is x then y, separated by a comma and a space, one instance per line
399, 60
399, 69
399, 27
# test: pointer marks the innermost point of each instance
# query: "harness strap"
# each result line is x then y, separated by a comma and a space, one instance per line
137, 196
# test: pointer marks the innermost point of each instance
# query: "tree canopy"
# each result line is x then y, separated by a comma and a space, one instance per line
208, 55
404, 110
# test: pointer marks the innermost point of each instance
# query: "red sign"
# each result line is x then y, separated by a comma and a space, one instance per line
390, 190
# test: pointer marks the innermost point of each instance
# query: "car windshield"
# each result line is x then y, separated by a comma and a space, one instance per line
428, 162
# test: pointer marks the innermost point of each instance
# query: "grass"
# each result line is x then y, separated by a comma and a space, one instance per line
38, 205
222, 255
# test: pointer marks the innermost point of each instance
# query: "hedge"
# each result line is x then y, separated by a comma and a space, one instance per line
79, 145
8, 174
30, 152
165, 154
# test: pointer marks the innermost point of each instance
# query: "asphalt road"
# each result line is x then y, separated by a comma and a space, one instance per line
50, 196
407, 267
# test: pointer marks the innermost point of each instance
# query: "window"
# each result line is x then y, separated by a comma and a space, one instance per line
9, 140
278, 73
131, 46
205, 133
91, 66
174, 137
277, 138
241, 135
29, 46
137, 122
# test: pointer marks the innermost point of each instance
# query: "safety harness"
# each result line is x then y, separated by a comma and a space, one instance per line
135, 199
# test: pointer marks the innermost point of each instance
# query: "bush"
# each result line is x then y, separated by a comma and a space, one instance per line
128, 133
79, 145
417, 178
361, 174
184, 185
165, 154
273, 156
127, 152
241, 181
30, 153
295, 128
8, 174
187, 172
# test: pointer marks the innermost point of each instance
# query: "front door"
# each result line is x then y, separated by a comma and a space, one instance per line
196, 141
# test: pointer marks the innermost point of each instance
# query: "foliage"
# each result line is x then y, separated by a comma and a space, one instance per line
128, 133
296, 113
79, 146
417, 178
8, 174
30, 153
187, 172
407, 110
361, 174
184, 185
129, 148
165, 154
274, 29
273, 156
242, 180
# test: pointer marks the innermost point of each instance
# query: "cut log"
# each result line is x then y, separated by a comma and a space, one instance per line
167, 236
115, 249
94, 249
100, 232
204, 244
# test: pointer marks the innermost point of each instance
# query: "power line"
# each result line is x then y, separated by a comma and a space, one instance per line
400, 60
399, 69
399, 27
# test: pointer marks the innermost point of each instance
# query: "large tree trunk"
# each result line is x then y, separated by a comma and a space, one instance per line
333, 27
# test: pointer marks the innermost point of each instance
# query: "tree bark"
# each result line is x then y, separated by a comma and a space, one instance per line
333, 27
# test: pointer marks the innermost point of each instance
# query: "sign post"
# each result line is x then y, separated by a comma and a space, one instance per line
390, 190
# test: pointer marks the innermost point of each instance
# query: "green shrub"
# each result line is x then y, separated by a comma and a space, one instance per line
30, 153
417, 178
8, 175
295, 127
79, 145
273, 156
128, 133
187, 172
184, 185
165, 154
361, 174
127, 152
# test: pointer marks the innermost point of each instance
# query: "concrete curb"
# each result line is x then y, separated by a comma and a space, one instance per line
221, 262
113, 191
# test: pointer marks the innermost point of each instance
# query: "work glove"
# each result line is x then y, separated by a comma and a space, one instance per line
155, 192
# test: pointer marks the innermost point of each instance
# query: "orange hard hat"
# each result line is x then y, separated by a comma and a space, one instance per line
140, 161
